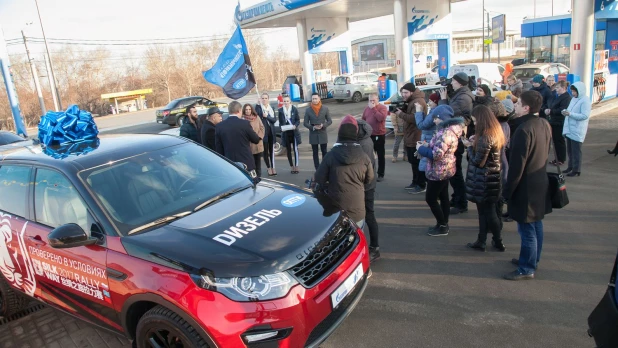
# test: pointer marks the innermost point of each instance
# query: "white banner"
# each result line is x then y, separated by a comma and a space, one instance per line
327, 35
429, 20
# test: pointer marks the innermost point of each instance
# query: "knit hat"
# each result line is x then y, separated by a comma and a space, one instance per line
462, 78
508, 105
434, 97
443, 112
348, 129
486, 89
538, 78
409, 87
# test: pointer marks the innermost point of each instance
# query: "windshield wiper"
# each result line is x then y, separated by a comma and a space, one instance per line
221, 196
160, 221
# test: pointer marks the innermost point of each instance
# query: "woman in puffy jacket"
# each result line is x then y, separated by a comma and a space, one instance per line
440, 166
576, 120
554, 115
427, 125
484, 179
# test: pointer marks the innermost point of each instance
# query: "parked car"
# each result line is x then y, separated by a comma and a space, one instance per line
173, 113
10, 139
355, 87
168, 243
278, 148
427, 89
491, 72
527, 71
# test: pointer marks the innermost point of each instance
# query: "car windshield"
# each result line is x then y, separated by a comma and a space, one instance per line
526, 72
9, 138
171, 105
155, 186
341, 80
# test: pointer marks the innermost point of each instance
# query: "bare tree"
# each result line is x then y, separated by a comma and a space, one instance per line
161, 67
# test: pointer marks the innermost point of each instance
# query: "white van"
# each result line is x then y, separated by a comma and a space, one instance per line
487, 71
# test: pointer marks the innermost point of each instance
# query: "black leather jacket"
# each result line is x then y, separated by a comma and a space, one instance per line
483, 180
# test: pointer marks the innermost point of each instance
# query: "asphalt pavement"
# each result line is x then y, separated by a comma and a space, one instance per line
434, 292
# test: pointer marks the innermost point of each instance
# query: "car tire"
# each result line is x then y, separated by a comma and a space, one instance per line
159, 323
11, 301
180, 120
357, 97
339, 100
279, 149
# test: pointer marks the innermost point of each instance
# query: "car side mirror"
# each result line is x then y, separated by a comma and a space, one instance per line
69, 236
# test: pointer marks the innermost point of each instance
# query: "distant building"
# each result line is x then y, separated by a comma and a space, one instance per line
378, 51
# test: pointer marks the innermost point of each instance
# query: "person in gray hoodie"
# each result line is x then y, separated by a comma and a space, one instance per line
364, 139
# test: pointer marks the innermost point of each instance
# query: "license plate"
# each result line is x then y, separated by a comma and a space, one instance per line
159, 121
339, 91
344, 289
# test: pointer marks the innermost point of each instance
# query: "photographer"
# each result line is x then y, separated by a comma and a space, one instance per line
461, 100
411, 133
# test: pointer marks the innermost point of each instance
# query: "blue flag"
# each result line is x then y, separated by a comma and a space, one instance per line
232, 71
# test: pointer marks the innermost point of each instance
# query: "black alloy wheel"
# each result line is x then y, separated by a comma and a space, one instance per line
357, 97
162, 328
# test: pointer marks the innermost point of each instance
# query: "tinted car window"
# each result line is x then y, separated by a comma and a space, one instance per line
171, 105
145, 188
56, 201
9, 138
341, 80
14, 182
526, 72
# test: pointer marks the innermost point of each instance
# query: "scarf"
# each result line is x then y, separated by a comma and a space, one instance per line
287, 113
267, 110
316, 108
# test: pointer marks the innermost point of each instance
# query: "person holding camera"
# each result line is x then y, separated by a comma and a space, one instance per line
461, 100
411, 134
375, 115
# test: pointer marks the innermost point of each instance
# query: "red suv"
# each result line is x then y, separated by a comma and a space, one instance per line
172, 245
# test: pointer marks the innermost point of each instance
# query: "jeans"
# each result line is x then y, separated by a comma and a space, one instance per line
269, 152
457, 181
574, 148
398, 139
379, 142
418, 177
257, 158
489, 221
438, 190
316, 156
559, 142
370, 218
531, 246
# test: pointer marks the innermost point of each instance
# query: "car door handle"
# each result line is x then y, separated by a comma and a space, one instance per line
36, 240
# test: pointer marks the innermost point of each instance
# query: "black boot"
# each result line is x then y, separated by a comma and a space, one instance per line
614, 151
374, 253
478, 245
498, 245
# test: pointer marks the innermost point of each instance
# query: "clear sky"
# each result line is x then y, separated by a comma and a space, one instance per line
148, 19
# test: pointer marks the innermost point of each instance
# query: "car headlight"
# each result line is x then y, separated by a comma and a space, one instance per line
244, 289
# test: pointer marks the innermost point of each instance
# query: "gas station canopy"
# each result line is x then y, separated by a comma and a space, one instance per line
285, 13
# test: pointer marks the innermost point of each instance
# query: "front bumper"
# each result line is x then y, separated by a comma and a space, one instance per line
308, 312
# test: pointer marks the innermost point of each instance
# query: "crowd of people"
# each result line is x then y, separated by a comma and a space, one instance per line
506, 140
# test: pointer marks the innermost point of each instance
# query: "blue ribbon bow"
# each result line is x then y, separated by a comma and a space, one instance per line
69, 132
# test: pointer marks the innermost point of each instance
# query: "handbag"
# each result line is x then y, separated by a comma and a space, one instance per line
603, 321
557, 187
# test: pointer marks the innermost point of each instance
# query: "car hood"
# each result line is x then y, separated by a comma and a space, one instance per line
255, 232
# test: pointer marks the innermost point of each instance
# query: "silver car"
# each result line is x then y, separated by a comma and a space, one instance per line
355, 87
527, 71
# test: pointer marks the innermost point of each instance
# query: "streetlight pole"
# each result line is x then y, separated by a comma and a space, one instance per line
35, 76
483, 30
51, 70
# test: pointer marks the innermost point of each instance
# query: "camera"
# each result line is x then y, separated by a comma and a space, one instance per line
400, 104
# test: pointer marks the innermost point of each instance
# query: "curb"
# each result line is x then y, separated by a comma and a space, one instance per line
607, 106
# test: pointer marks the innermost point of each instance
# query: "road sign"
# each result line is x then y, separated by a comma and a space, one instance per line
498, 29
487, 42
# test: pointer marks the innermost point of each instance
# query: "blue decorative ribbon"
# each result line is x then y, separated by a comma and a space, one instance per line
71, 132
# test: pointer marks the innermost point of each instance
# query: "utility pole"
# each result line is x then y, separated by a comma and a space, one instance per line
52, 83
483, 30
51, 67
35, 76
489, 37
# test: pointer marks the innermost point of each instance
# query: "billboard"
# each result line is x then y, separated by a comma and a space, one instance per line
498, 29
327, 35
430, 21
372, 52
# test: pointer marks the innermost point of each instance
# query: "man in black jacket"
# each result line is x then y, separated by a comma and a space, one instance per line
345, 171
526, 189
207, 130
233, 136
462, 101
364, 140
189, 128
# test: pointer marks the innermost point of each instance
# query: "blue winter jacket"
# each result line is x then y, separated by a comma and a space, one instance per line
425, 123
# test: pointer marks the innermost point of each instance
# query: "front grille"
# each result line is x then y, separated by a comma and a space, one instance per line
327, 255
335, 317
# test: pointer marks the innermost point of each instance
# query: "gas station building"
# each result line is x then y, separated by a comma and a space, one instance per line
323, 26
